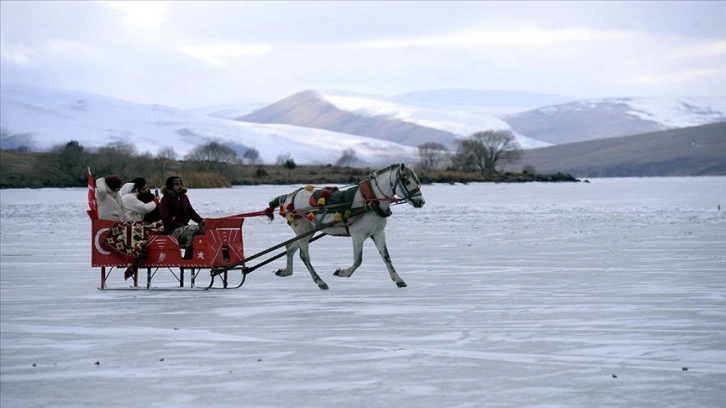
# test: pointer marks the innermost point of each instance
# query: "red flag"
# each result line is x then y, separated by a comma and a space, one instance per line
92, 204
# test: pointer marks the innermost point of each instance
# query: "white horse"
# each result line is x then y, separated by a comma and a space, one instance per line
358, 212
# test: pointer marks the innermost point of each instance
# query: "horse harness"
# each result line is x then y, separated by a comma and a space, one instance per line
331, 200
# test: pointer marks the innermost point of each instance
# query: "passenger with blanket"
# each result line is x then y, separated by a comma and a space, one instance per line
177, 211
129, 235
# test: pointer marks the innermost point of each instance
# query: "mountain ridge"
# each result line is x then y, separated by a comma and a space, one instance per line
40, 118
692, 151
308, 109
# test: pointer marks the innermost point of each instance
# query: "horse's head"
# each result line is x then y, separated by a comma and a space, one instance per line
408, 186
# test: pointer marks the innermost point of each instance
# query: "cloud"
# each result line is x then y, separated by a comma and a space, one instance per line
684, 76
509, 37
226, 52
708, 49
17, 54
222, 55
141, 13
24, 55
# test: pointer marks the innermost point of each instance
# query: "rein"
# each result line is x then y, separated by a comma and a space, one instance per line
265, 212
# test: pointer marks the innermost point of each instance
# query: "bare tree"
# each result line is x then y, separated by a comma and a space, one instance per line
164, 157
347, 158
251, 155
116, 158
286, 161
431, 154
483, 150
166, 153
283, 158
70, 160
212, 156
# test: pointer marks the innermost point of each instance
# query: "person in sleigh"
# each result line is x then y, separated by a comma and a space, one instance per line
177, 211
129, 236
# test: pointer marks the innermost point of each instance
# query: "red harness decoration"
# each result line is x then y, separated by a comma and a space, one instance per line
367, 191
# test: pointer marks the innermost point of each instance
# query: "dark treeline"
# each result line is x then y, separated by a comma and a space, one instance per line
67, 166
208, 166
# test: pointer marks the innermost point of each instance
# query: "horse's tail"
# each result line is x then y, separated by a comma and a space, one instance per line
273, 204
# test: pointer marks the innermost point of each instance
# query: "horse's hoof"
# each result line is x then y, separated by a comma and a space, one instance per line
282, 273
323, 286
401, 284
337, 272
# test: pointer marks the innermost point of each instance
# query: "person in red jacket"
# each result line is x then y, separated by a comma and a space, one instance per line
176, 212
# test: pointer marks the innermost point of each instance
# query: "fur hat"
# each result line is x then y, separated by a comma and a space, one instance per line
114, 182
139, 182
171, 181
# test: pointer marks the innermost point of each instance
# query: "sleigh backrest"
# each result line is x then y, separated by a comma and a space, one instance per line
221, 245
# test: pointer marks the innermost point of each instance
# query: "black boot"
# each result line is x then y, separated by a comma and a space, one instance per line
129, 272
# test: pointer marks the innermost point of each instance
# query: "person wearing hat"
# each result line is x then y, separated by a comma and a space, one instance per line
110, 205
138, 201
131, 237
177, 211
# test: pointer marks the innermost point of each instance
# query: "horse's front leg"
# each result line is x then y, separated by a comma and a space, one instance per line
379, 239
305, 256
357, 257
290, 250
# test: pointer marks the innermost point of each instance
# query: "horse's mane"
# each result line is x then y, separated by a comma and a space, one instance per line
385, 169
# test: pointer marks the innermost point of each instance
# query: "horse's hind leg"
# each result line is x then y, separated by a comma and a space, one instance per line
290, 250
357, 257
379, 239
305, 257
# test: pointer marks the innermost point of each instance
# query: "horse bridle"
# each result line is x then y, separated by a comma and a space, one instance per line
401, 180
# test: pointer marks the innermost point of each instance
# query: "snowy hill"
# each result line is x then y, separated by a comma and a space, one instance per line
490, 101
614, 117
448, 115
41, 118
688, 151
229, 111
384, 118
314, 127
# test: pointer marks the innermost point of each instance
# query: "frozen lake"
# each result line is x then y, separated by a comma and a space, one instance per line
611, 293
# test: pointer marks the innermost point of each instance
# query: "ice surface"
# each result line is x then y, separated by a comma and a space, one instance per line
520, 295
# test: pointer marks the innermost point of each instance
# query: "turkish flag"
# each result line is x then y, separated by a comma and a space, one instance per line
92, 204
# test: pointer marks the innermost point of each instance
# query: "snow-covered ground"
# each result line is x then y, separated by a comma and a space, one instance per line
607, 294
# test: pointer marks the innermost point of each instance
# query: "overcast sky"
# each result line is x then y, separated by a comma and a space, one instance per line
191, 54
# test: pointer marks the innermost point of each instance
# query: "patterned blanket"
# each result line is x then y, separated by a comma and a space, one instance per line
130, 239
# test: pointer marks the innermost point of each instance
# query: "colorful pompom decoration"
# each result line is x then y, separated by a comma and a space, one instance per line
338, 217
309, 188
310, 216
321, 201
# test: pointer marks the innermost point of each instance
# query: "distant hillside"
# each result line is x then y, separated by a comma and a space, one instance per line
604, 118
229, 111
495, 101
445, 116
309, 109
38, 119
693, 151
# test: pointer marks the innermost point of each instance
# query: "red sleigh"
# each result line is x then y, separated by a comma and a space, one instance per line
218, 250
